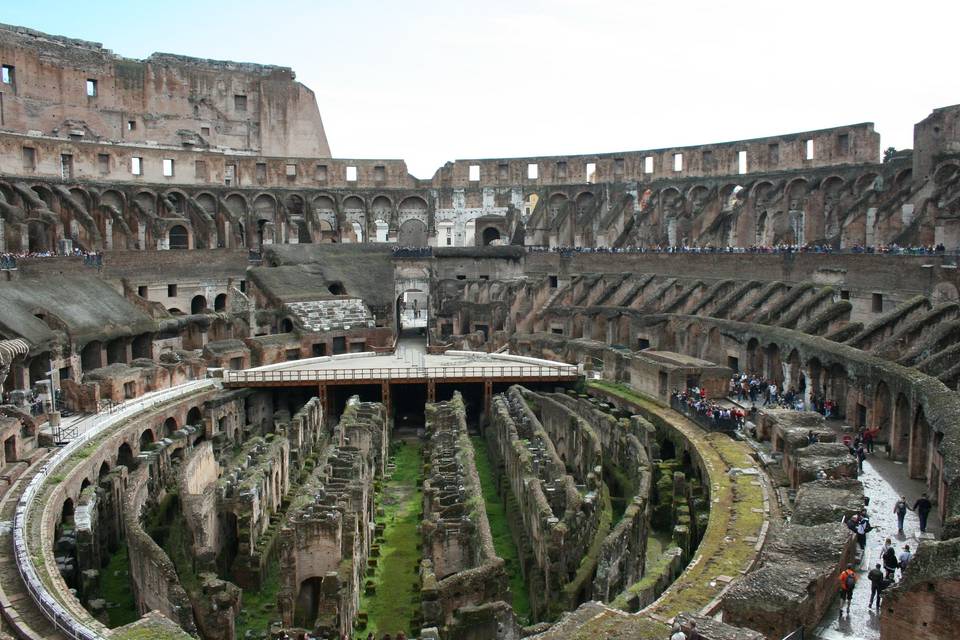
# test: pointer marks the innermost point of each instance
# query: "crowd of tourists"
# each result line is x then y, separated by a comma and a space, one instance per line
412, 252
90, 258
885, 249
696, 402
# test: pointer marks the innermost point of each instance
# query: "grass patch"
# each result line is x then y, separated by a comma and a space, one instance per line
397, 598
260, 607
115, 589
500, 529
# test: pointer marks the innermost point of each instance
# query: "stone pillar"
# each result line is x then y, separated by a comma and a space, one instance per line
3, 239
108, 234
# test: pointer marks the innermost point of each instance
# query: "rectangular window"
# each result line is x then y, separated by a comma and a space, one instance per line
240, 103
474, 173
741, 162
591, 172
648, 164
844, 294
351, 174
503, 171
678, 162
131, 125
878, 303
773, 154
532, 171
230, 175
29, 159
142, 291
808, 149
291, 171
707, 160
168, 167
380, 173
66, 166
91, 88
171, 291
136, 166
553, 282
261, 172
8, 74
200, 170
561, 170
103, 163
643, 343
205, 132
293, 354
243, 286
843, 144
321, 173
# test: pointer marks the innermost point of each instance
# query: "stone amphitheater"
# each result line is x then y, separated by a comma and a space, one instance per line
254, 391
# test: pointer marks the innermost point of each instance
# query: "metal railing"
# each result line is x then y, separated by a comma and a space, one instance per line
708, 423
56, 613
386, 374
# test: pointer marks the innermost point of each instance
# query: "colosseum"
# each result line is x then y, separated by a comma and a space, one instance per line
255, 391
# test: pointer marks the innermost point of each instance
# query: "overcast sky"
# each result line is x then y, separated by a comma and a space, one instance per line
435, 81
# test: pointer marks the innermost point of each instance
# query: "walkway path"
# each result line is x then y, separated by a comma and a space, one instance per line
884, 481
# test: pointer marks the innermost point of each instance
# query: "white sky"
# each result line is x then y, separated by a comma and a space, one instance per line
435, 81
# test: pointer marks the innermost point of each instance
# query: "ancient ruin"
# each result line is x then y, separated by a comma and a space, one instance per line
254, 391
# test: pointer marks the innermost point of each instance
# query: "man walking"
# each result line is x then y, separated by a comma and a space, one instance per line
876, 580
923, 506
889, 558
904, 559
900, 508
848, 581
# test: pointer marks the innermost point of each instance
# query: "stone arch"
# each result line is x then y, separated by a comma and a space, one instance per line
413, 233
881, 415
754, 363
556, 203
198, 304
104, 470
774, 367
865, 182
900, 438
220, 302
490, 235
147, 438
178, 237
412, 208
169, 426
381, 209
795, 378
91, 356
294, 204
764, 226
194, 417
125, 455
835, 386
945, 173
920, 437
584, 201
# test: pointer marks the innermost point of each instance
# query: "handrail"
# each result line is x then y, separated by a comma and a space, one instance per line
398, 373
55, 612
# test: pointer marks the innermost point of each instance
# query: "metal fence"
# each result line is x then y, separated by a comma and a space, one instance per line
46, 602
795, 635
386, 374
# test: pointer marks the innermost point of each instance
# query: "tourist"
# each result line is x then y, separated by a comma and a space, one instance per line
923, 506
693, 634
861, 455
678, 633
900, 508
821, 474
848, 581
401, 635
904, 559
868, 440
863, 528
889, 557
876, 580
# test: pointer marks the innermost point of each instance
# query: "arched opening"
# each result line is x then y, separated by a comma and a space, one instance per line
795, 380
881, 415
83, 485
286, 325
308, 600
39, 368
91, 356
146, 440
761, 238
198, 304
125, 454
753, 356
143, 346
412, 307
774, 368
169, 426
179, 238
104, 471
490, 236
835, 390
303, 233
220, 302
195, 417
413, 233
920, 446
66, 516
900, 440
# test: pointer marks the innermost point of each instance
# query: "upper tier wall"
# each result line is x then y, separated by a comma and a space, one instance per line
166, 98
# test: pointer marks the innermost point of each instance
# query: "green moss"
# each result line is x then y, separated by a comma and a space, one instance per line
724, 549
115, 589
503, 541
397, 598
259, 607
588, 565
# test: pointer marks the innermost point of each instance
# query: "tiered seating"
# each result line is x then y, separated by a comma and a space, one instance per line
327, 315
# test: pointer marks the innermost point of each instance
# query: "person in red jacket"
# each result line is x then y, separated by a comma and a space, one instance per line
848, 581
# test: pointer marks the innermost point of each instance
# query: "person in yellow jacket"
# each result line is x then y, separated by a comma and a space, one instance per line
848, 581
